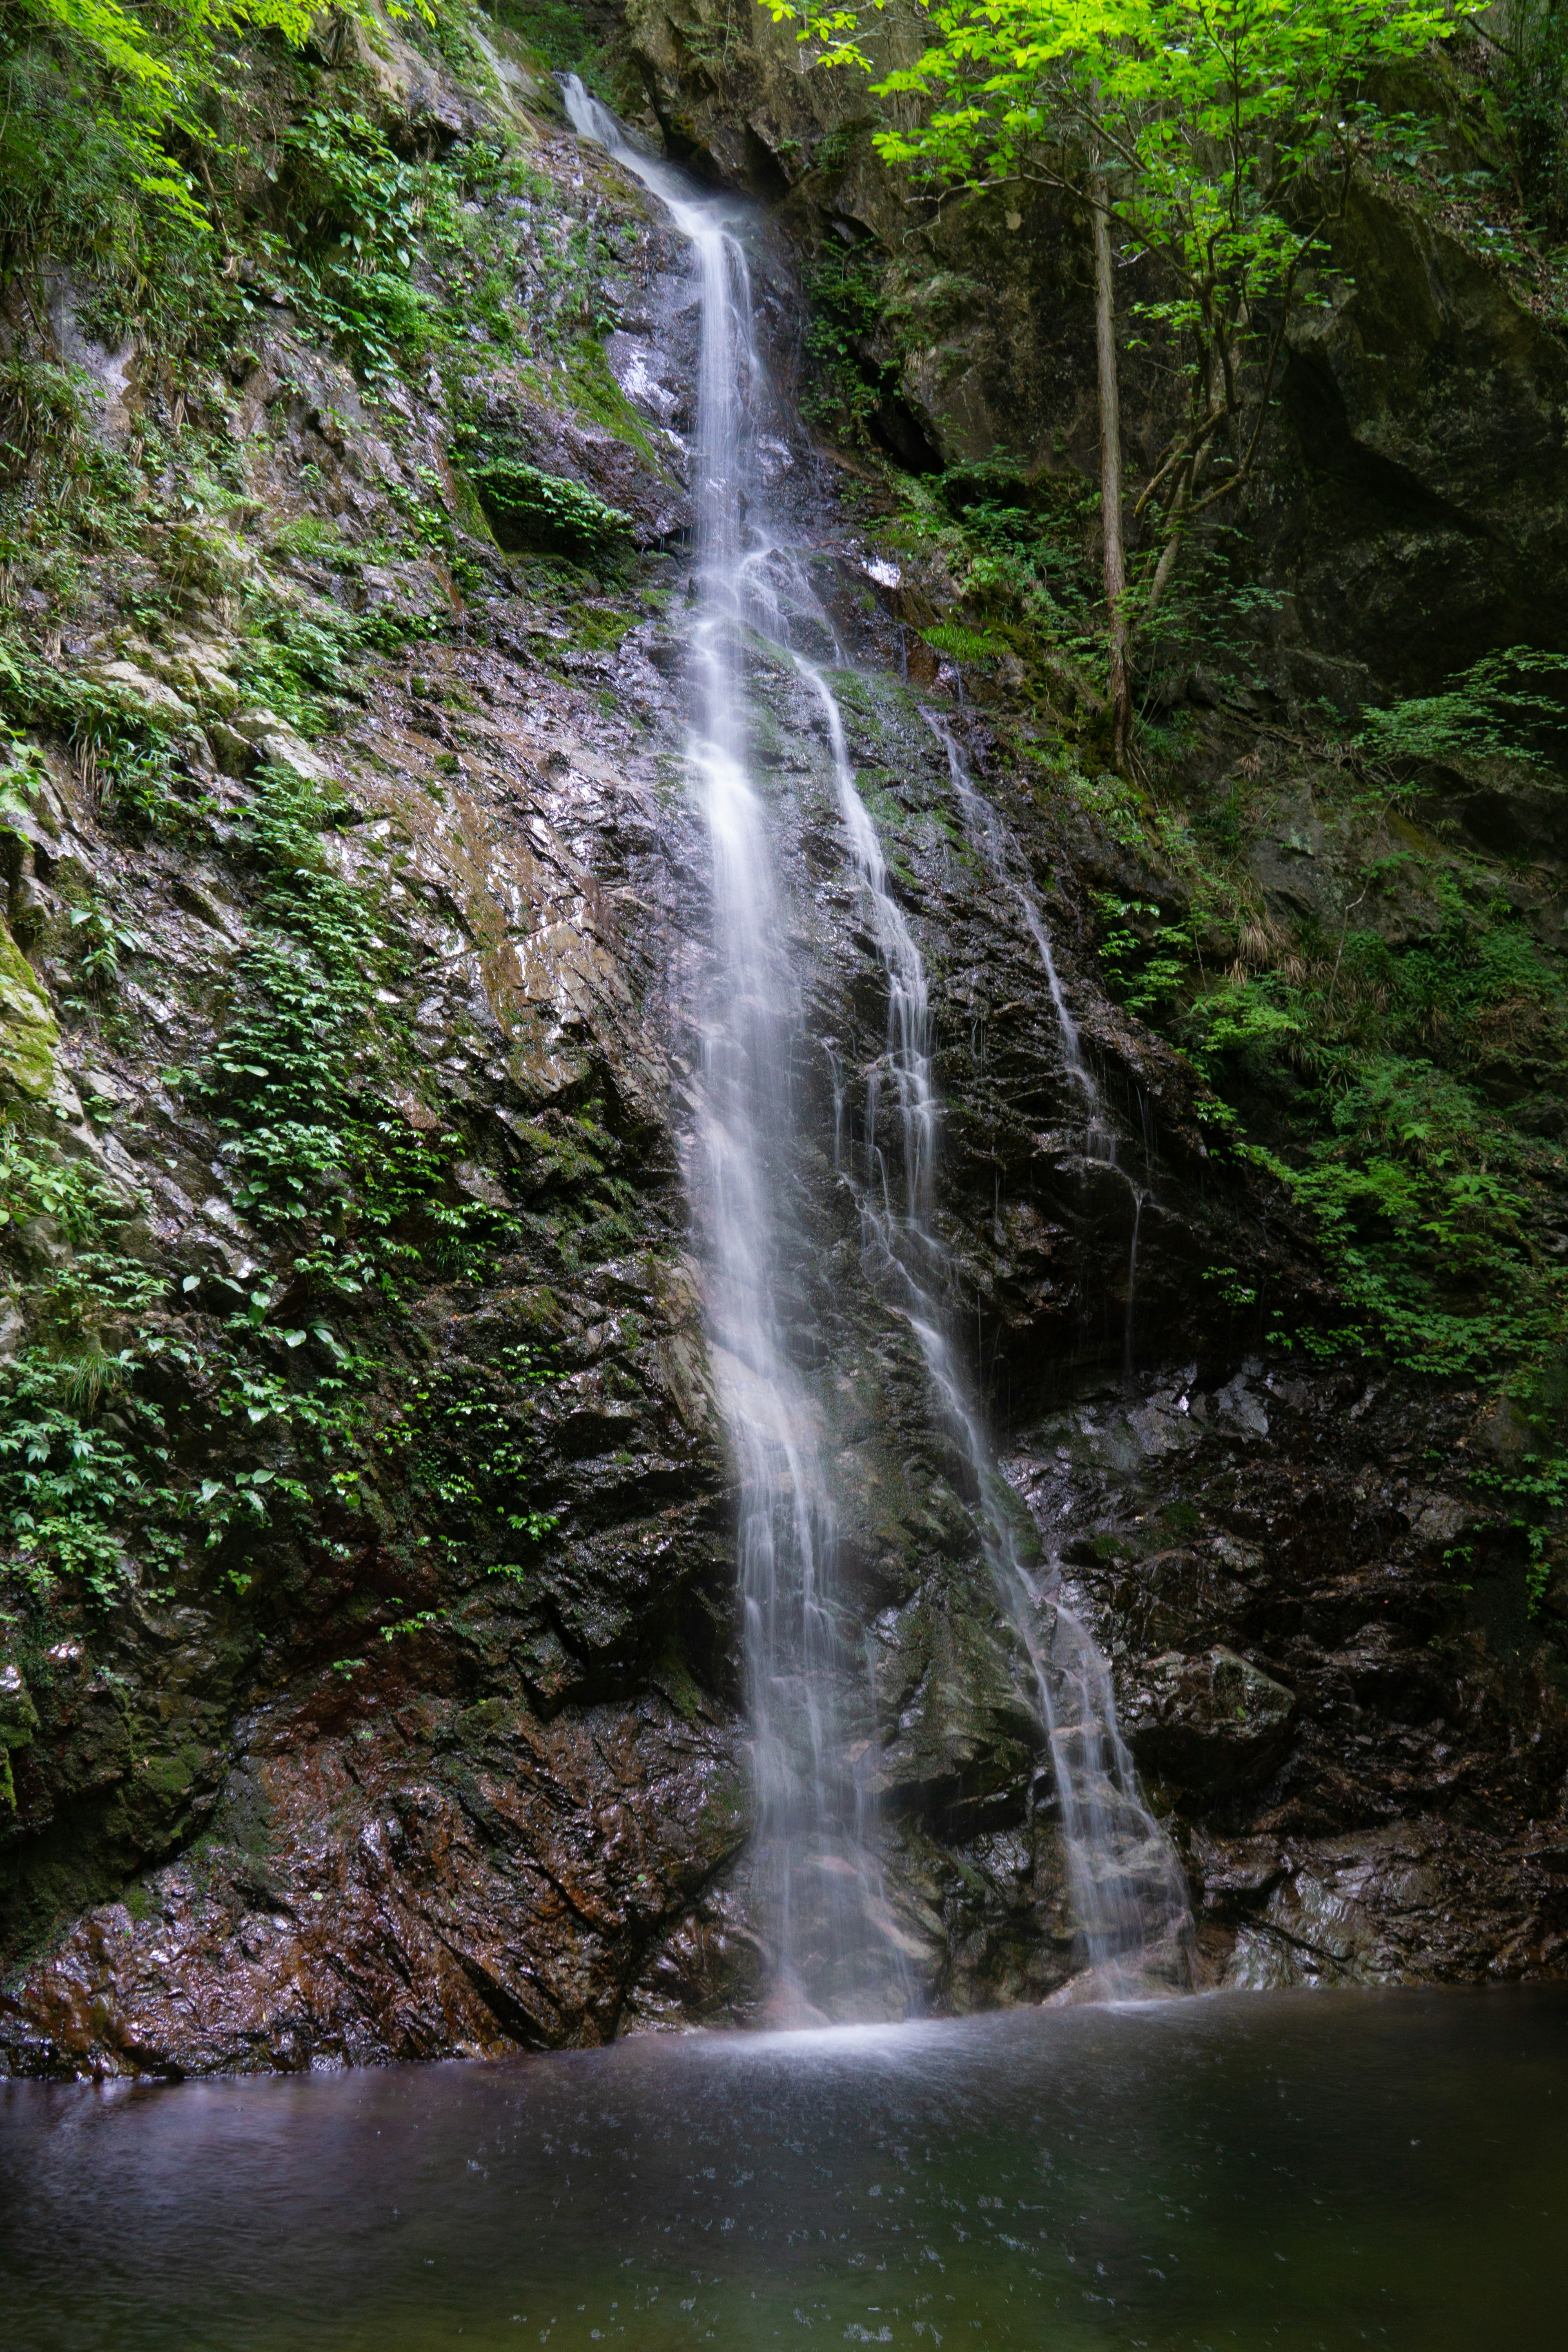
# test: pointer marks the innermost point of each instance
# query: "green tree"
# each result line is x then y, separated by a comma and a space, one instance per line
1210, 135
106, 117
1530, 41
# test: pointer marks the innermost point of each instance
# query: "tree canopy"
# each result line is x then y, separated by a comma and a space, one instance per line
1215, 136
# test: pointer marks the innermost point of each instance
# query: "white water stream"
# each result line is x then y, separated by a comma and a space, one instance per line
834, 1945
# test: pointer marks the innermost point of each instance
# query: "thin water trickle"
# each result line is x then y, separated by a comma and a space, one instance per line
1129, 1895
1129, 1365
988, 834
838, 1949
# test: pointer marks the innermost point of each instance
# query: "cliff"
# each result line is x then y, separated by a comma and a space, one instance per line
370, 1682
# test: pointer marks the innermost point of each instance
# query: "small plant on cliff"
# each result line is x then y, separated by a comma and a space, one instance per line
76, 1437
847, 319
323, 1160
354, 211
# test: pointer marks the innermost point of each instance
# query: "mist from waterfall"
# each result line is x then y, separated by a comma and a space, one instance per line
835, 1944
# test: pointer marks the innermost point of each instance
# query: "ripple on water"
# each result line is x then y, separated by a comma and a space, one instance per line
1301, 2170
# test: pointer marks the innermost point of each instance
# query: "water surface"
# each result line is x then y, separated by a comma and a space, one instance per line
1303, 2170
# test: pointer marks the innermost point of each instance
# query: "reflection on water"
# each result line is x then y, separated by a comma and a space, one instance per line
1297, 2170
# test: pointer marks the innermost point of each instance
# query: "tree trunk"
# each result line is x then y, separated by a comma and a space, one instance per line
1111, 468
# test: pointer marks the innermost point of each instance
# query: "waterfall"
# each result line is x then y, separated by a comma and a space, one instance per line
987, 833
1128, 1893
835, 1947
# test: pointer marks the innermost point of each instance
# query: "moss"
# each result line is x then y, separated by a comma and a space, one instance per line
470, 508
592, 388
174, 1776
1181, 1518
29, 1037
674, 1678
533, 511
599, 628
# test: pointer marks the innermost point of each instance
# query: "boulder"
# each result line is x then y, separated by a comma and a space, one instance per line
1210, 1723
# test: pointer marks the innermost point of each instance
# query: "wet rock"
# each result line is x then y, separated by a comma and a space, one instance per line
19, 1724
447, 1882
1407, 1905
1207, 1725
1412, 1715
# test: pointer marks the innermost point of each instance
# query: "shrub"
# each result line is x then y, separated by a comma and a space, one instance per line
532, 510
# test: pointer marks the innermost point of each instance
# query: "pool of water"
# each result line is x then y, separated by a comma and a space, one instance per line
1306, 2170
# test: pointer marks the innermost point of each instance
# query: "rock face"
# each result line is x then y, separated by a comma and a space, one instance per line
412, 1726
1209, 1725
370, 1728
1309, 1682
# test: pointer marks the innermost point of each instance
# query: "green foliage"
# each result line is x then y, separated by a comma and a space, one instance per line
68, 1474
1372, 1071
39, 694
1530, 40
157, 1430
353, 214
857, 364
530, 510
1424, 1197
961, 645
472, 1455
1480, 713
559, 35
352, 1204
1144, 959
1386, 1076
1207, 137
1113, 803
1016, 550
64, 1482
321, 1157
103, 119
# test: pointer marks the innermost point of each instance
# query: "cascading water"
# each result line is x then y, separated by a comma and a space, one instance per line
987, 833
990, 836
836, 1946
1129, 1896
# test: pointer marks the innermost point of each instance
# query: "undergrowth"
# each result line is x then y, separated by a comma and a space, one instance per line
1396, 1067
139, 1409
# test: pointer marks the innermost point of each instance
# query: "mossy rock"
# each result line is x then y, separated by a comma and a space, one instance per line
19, 1724
534, 512
28, 1035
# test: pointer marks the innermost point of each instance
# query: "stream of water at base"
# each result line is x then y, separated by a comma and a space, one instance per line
832, 1935
1300, 2172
